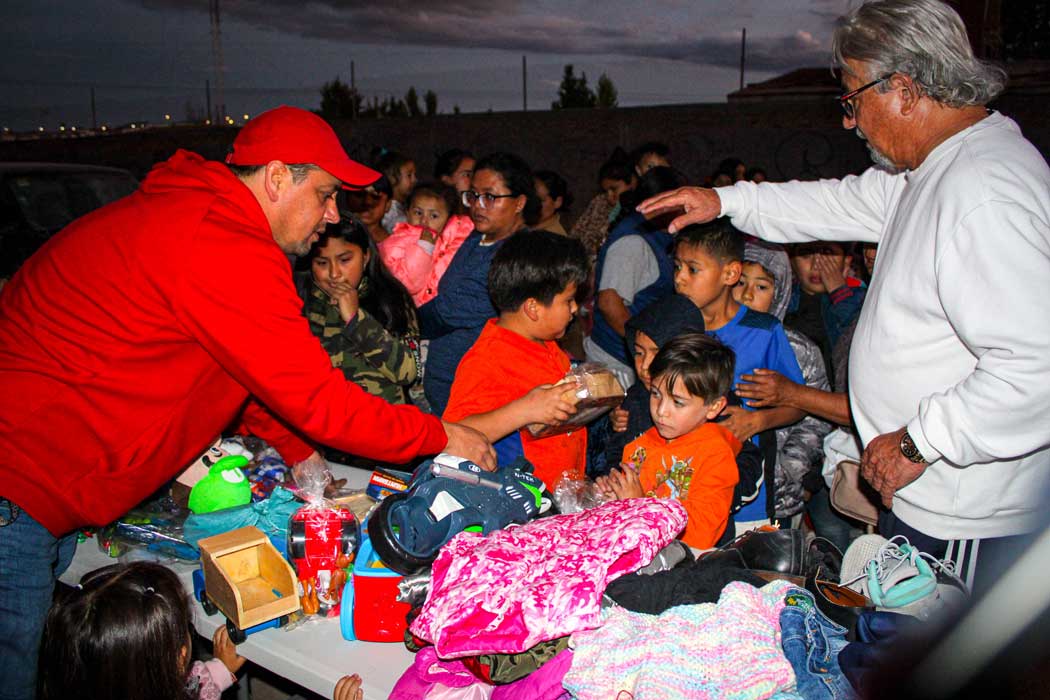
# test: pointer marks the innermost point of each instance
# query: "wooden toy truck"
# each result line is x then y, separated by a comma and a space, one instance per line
243, 575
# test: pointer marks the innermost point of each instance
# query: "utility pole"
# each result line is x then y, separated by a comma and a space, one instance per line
353, 90
94, 115
216, 50
207, 99
524, 84
743, 54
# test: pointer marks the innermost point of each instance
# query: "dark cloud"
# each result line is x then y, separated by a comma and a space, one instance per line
511, 25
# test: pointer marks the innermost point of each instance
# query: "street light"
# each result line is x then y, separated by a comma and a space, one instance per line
246, 117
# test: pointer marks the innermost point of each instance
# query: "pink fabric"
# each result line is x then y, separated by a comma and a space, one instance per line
507, 592
207, 679
418, 270
430, 677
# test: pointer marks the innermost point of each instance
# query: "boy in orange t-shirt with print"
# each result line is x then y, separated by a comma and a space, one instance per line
685, 455
507, 379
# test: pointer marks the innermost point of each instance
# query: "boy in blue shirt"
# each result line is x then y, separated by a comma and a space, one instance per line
707, 262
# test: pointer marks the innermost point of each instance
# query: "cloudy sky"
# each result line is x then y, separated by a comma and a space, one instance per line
146, 58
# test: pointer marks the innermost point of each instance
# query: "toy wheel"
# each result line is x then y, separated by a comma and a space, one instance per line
282, 621
296, 539
237, 635
385, 542
209, 607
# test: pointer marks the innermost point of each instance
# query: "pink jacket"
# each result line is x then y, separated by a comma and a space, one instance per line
413, 266
507, 592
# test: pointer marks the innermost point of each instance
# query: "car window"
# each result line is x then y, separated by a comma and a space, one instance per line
49, 201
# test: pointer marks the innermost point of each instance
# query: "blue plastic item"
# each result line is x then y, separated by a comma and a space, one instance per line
447, 496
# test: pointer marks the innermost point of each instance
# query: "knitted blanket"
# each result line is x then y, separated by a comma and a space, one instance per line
730, 649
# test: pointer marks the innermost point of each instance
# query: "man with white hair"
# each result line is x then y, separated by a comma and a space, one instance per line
949, 364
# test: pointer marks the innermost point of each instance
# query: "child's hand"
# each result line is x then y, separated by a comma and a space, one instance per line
618, 418
345, 297
226, 651
624, 483
831, 276
766, 388
348, 688
550, 404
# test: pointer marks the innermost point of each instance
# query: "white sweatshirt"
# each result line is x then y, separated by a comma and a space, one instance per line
954, 337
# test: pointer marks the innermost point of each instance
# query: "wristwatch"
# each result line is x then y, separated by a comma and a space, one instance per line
909, 450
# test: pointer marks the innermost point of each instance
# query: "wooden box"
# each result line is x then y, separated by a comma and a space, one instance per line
247, 578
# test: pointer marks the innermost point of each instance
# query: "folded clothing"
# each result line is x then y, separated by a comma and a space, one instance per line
515, 588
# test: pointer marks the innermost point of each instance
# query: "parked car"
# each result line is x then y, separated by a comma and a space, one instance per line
39, 199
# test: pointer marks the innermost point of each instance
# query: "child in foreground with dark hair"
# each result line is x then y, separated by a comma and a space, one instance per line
685, 455
124, 632
508, 379
420, 249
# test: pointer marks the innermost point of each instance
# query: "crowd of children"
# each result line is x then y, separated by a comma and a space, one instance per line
457, 295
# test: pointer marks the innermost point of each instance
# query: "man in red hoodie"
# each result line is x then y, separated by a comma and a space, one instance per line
140, 331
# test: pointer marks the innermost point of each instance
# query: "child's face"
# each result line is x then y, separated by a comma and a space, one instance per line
700, 276
613, 189
755, 290
649, 161
369, 205
804, 256
675, 411
406, 180
429, 212
552, 319
460, 179
644, 352
548, 205
338, 262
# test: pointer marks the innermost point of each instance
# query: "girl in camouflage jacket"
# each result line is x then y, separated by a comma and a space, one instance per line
363, 317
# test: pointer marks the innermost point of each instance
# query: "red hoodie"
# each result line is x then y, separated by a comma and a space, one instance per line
135, 335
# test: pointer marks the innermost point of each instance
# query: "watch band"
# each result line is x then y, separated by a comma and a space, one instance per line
909, 450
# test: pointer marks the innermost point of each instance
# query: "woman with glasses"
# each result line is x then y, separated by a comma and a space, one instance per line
501, 199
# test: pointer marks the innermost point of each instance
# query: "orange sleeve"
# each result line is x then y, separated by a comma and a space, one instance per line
710, 495
479, 386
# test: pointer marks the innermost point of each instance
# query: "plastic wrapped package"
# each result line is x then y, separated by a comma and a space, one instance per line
322, 542
575, 495
598, 390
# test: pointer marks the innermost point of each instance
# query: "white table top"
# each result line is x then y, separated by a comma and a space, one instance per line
314, 655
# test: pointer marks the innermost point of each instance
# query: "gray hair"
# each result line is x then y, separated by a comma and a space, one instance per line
299, 170
923, 39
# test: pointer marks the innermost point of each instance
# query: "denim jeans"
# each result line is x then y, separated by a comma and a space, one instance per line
31, 558
811, 644
828, 523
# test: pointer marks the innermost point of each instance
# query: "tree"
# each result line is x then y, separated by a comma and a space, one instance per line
339, 100
430, 99
607, 95
573, 92
412, 103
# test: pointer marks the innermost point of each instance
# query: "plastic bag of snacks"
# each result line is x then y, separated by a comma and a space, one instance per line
598, 390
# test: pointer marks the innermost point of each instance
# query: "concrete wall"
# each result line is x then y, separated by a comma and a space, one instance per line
789, 139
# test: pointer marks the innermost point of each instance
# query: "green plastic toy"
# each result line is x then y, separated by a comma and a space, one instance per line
225, 486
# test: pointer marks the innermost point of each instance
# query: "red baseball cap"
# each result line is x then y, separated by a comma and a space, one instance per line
294, 135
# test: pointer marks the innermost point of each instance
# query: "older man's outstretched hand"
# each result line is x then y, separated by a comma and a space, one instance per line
699, 204
470, 444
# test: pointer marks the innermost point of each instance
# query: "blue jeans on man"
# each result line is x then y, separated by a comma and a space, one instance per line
31, 559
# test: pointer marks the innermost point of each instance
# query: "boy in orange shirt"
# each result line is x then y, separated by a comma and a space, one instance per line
506, 380
684, 455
